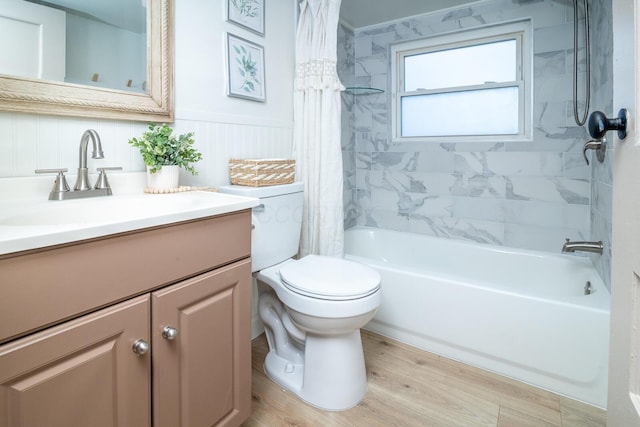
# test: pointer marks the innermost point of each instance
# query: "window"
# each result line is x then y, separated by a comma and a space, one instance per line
466, 86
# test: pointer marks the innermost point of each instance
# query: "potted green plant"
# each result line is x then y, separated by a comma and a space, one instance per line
164, 154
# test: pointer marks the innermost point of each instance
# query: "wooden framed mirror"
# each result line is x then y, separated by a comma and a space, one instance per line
153, 104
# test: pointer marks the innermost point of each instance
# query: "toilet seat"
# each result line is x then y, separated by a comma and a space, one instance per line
329, 278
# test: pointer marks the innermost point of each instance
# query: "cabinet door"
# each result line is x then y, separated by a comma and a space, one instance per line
202, 377
80, 373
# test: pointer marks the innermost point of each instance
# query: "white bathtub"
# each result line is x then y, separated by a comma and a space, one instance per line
519, 313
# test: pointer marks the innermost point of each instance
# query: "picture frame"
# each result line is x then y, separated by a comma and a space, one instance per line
248, 14
245, 69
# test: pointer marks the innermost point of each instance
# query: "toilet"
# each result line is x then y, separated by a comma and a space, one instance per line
312, 308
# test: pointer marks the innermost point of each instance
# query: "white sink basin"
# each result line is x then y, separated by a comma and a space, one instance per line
29, 224
114, 209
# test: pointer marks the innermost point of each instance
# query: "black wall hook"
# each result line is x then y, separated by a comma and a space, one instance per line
599, 124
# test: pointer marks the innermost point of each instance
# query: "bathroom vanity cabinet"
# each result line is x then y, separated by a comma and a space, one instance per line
136, 329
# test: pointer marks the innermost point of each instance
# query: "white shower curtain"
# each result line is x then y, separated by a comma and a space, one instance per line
317, 128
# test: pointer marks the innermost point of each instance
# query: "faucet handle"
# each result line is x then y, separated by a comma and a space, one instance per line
600, 147
103, 182
60, 184
62, 170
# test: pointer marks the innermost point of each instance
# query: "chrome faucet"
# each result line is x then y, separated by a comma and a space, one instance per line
61, 191
595, 247
82, 182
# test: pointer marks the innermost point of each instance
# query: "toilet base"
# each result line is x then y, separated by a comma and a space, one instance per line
333, 376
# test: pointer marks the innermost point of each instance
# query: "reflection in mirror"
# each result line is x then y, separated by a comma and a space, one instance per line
98, 58
99, 43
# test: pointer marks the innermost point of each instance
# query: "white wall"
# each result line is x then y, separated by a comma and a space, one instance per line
224, 127
201, 65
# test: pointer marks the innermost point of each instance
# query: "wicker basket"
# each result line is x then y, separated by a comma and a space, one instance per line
261, 172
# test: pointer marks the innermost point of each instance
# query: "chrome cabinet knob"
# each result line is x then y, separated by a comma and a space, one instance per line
169, 333
140, 347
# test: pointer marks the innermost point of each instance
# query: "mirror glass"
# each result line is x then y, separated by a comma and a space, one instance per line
88, 58
100, 43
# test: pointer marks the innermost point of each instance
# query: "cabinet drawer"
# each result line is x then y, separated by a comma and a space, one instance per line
42, 288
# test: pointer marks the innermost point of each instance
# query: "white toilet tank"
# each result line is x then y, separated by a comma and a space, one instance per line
275, 234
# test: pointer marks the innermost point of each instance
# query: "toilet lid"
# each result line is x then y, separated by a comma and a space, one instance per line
330, 278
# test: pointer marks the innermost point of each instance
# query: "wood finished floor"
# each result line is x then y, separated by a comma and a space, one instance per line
409, 387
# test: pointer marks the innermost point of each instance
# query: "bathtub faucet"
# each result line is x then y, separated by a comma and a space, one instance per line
595, 247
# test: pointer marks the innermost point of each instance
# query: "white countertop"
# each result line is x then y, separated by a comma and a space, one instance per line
29, 221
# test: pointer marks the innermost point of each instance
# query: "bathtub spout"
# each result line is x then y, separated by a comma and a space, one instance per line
595, 247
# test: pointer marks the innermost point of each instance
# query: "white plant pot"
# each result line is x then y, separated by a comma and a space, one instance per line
165, 179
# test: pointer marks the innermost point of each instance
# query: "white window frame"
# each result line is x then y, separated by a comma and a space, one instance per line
518, 30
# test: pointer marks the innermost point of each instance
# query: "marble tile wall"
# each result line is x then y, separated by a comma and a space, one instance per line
602, 99
520, 194
346, 72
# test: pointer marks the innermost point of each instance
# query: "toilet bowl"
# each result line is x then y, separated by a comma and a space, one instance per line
312, 308
323, 328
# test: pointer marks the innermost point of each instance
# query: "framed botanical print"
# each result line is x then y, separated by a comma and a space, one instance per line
247, 13
245, 63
